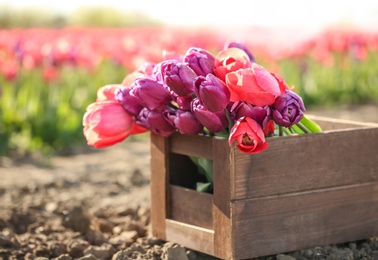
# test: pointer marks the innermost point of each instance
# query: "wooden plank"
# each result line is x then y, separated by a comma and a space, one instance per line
328, 124
191, 207
158, 184
196, 238
223, 178
277, 224
193, 145
308, 162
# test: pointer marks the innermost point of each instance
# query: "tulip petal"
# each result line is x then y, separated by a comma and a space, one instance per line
265, 80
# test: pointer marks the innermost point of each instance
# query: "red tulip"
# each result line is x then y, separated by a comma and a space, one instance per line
107, 123
253, 85
248, 135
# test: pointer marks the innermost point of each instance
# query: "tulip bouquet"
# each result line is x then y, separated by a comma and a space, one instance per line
228, 95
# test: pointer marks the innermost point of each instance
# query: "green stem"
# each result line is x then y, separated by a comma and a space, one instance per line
286, 131
230, 121
280, 130
303, 128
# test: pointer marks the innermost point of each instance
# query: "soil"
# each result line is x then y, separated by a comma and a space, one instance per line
95, 205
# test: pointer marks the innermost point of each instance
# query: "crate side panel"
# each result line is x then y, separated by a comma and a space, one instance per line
278, 224
308, 162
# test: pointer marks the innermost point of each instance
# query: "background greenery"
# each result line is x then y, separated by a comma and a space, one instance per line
41, 106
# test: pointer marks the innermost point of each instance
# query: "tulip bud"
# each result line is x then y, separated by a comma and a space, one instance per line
212, 92
179, 77
106, 123
288, 109
149, 93
185, 122
200, 60
262, 115
184, 102
127, 101
156, 121
213, 121
240, 46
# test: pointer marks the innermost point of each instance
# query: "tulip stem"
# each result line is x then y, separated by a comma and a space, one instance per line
230, 121
303, 128
280, 131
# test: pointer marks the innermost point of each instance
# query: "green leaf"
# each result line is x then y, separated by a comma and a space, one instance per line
311, 125
203, 187
205, 167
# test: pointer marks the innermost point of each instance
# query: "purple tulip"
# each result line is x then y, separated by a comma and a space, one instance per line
184, 102
262, 115
156, 122
288, 109
242, 47
179, 77
213, 121
200, 60
212, 92
150, 93
127, 101
185, 122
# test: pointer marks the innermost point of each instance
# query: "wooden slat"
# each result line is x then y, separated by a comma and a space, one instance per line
193, 145
278, 224
200, 239
328, 124
223, 180
191, 207
158, 184
308, 162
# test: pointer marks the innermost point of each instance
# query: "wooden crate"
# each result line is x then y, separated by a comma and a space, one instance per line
303, 191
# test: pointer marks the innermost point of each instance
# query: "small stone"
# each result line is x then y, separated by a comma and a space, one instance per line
63, 257
284, 257
121, 255
77, 220
76, 248
175, 253
104, 252
191, 255
88, 257
308, 254
137, 179
57, 248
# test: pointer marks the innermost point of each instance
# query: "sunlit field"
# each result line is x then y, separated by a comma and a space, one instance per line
49, 76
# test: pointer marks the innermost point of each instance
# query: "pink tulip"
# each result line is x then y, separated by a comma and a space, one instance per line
248, 135
230, 60
253, 85
106, 123
107, 92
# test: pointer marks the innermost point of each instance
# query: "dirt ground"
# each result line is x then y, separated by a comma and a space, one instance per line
95, 205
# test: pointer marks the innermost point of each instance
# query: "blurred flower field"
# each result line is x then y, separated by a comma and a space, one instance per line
48, 77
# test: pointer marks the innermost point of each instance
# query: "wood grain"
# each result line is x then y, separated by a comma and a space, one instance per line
158, 184
308, 162
190, 236
278, 224
193, 145
223, 179
191, 207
